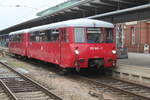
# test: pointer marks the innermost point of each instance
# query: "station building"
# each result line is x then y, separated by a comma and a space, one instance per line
137, 36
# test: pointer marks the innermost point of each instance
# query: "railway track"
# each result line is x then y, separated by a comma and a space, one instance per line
124, 89
4, 92
17, 86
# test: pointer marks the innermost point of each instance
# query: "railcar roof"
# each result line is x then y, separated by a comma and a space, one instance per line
75, 23
83, 22
19, 32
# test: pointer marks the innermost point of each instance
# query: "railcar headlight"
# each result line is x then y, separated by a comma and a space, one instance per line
114, 51
76, 52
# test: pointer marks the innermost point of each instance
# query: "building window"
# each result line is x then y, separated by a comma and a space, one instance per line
133, 35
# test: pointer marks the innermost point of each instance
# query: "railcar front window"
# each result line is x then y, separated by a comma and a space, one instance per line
109, 35
94, 35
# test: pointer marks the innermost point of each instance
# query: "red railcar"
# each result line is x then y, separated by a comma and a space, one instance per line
79, 43
18, 42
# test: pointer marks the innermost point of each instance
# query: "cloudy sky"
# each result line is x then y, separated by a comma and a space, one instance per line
11, 15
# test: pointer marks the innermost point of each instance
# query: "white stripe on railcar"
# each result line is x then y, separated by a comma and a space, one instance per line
75, 23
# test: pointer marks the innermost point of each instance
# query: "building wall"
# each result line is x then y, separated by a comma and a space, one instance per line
137, 34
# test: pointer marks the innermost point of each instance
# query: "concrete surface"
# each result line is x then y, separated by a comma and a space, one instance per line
133, 73
136, 59
135, 68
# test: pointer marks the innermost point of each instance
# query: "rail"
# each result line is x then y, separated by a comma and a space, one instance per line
12, 77
135, 90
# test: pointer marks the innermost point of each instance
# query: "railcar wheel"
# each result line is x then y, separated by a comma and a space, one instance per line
25, 58
63, 71
77, 68
97, 70
16, 56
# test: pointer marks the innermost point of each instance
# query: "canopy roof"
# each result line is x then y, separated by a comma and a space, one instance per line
74, 9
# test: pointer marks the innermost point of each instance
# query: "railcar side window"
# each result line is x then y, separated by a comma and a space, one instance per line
11, 37
79, 35
47, 35
34, 36
66, 36
16, 38
55, 35
42, 36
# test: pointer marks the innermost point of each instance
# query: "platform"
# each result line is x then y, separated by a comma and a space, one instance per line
132, 72
135, 68
138, 59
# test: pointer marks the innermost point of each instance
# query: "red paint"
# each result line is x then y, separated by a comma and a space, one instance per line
19, 48
62, 53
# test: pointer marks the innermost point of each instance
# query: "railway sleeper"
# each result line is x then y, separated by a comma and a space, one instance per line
2, 94
4, 97
31, 96
30, 93
35, 98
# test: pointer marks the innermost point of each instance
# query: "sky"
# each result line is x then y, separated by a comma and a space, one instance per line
11, 15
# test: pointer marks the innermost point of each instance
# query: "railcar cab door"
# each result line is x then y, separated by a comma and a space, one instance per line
55, 45
65, 47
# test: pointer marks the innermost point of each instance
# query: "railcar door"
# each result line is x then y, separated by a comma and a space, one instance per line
54, 46
65, 48
34, 45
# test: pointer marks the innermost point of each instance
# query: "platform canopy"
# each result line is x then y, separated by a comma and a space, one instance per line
115, 11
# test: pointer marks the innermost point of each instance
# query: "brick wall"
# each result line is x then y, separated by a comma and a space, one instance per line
142, 36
